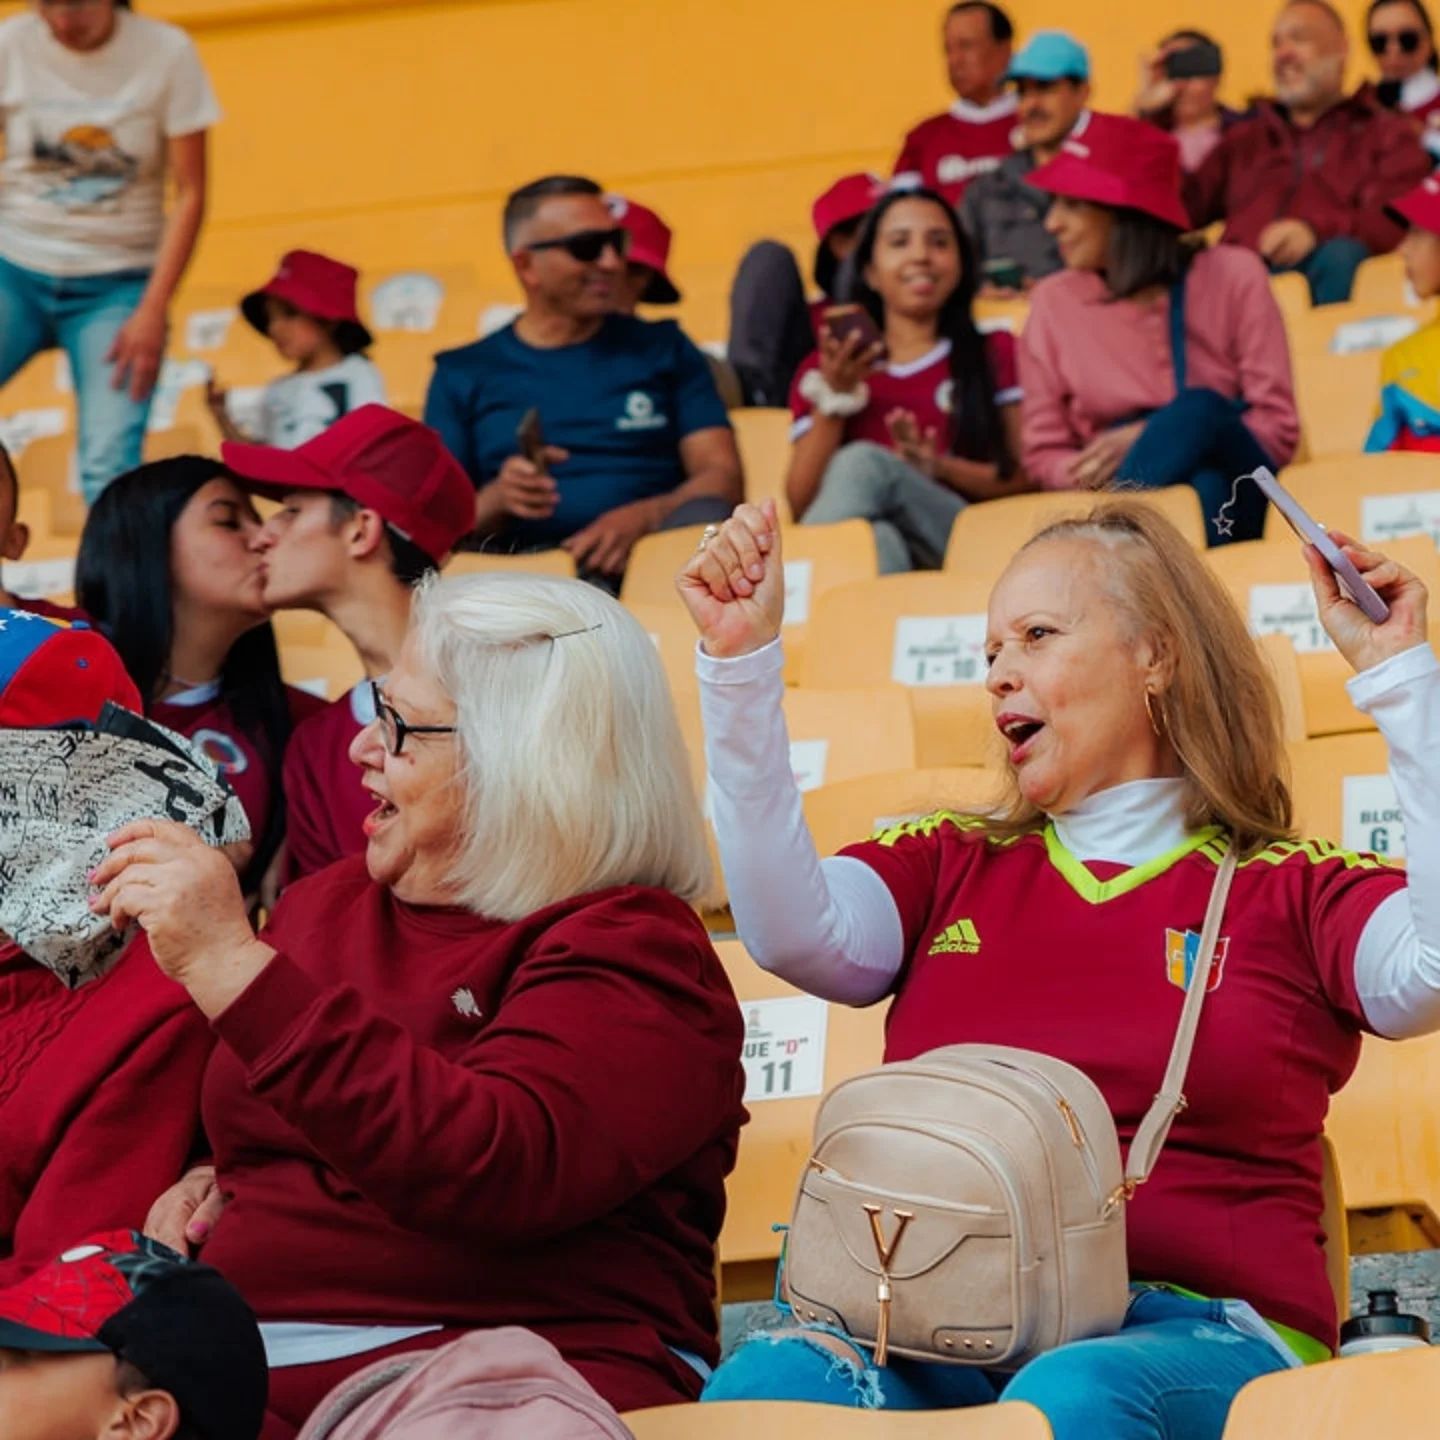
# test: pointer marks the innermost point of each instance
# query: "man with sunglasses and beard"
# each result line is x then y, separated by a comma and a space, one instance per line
635, 436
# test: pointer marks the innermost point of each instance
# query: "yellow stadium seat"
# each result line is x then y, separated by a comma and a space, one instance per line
923, 631
776, 1143
673, 632
181, 440
817, 559
1008, 314
794, 1420
763, 435
1375, 498
1336, 396
48, 464
328, 668
846, 811
1269, 582
1343, 793
1380, 285
1389, 1395
407, 360
986, 535
1284, 664
1333, 1225
1292, 294
542, 562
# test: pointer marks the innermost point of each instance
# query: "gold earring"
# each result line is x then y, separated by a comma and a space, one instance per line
1150, 711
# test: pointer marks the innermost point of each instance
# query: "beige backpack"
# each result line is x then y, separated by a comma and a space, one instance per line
969, 1205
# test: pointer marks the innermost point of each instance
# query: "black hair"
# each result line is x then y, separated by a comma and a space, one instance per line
130, 1379
976, 431
1144, 251
1001, 28
409, 564
827, 267
521, 204
1418, 6
1199, 37
123, 582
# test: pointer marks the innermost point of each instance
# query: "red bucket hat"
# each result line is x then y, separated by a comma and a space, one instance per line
319, 286
382, 460
649, 245
53, 674
1419, 207
847, 199
1122, 162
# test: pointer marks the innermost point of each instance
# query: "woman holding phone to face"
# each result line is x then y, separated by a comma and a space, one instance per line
904, 420
1179, 92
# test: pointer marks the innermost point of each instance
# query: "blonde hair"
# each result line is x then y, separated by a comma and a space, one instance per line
1220, 710
575, 772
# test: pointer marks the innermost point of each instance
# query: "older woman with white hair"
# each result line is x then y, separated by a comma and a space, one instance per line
1144, 750
487, 1073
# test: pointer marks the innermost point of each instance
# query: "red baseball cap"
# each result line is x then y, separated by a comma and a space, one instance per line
319, 286
52, 674
182, 1325
382, 460
1118, 161
649, 246
1419, 207
848, 198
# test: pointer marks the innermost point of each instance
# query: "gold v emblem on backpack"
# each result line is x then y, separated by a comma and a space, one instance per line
885, 1252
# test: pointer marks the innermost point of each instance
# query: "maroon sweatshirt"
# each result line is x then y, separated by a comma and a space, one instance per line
429, 1117
99, 1101
1337, 176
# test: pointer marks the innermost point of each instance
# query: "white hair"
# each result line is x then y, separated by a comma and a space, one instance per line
576, 772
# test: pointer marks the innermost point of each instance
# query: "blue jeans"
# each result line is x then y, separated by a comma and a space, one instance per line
1330, 269
1199, 439
82, 315
1170, 1374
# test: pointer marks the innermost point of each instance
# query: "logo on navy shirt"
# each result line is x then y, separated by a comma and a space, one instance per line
641, 414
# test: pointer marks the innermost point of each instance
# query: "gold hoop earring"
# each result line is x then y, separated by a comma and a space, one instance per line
1150, 712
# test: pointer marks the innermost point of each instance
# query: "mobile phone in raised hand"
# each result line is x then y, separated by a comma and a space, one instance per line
843, 321
1351, 581
530, 439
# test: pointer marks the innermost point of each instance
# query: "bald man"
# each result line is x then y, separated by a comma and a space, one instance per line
1306, 178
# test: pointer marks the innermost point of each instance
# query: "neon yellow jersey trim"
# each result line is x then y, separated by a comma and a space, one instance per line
1087, 887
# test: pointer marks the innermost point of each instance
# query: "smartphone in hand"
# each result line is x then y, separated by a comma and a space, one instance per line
530, 439
843, 321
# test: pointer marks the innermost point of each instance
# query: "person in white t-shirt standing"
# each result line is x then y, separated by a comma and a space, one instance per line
308, 311
100, 107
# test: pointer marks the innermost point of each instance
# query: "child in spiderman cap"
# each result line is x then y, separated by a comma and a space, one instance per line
122, 1339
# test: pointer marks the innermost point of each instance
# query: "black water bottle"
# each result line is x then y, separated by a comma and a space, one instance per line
1382, 1327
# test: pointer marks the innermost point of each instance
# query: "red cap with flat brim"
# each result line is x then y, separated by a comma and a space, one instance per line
1120, 162
1419, 207
383, 461
650, 240
315, 285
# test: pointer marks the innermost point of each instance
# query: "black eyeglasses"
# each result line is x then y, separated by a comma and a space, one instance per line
588, 246
1407, 40
394, 727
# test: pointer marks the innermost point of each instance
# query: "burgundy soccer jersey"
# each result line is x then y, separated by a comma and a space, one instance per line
1021, 944
66, 614
922, 386
948, 151
326, 803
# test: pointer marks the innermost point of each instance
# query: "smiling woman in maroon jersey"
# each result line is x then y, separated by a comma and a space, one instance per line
1142, 734
487, 1073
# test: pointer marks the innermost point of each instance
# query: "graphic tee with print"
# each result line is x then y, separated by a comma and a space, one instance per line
921, 386
1020, 943
948, 151
297, 407
620, 403
82, 184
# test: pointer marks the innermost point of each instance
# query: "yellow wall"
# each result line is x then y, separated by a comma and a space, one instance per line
388, 131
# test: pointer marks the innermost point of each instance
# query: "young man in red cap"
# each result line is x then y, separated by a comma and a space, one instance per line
639, 438
308, 312
773, 327
120, 1338
367, 509
947, 151
100, 1082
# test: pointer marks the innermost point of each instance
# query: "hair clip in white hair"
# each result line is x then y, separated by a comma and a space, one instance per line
584, 630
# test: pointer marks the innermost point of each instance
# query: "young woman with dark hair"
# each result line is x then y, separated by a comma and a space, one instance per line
1150, 360
905, 438
1401, 37
170, 570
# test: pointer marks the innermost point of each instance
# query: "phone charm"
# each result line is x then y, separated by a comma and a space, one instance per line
1224, 524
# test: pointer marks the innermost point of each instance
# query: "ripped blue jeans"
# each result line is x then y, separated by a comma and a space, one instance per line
1170, 1374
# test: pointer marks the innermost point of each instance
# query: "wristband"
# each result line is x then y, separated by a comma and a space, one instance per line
816, 389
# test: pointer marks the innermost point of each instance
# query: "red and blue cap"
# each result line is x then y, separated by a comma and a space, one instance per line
181, 1324
52, 674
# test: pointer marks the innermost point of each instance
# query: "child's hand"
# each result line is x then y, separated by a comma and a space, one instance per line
215, 397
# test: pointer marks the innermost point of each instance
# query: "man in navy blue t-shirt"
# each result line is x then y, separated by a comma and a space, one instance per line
637, 437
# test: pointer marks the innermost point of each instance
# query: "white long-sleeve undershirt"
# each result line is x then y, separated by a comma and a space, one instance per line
832, 927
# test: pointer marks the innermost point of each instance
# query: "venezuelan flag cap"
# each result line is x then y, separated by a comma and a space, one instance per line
52, 674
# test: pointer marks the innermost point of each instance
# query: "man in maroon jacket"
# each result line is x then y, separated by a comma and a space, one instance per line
1305, 180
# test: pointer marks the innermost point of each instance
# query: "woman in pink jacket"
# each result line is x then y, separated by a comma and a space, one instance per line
1150, 360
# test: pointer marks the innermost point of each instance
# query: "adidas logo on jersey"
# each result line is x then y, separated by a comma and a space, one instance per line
961, 938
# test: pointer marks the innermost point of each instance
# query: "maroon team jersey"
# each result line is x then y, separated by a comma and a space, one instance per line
946, 152
1019, 943
325, 802
922, 386
65, 614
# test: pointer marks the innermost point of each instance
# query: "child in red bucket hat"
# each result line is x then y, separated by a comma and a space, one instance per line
1150, 360
308, 311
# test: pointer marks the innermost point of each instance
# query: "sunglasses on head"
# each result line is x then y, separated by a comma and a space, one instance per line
587, 246
1407, 40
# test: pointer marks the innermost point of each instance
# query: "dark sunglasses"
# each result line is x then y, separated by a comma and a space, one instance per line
1407, 40
394, 727
587, 246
